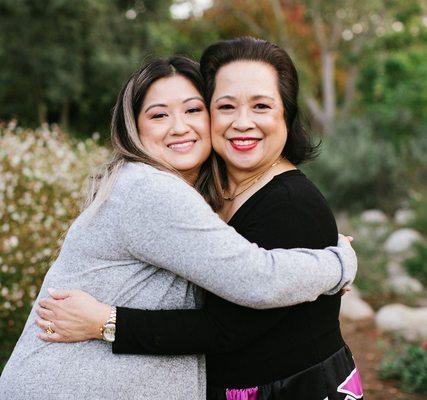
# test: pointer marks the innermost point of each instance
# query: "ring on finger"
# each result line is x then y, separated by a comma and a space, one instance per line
49, 329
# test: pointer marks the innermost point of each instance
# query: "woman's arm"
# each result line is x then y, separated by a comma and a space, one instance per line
222, 326
219, 327
167, 223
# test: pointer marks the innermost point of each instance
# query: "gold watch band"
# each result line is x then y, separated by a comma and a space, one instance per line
111, 320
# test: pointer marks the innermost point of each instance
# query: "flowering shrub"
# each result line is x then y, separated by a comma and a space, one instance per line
41, 178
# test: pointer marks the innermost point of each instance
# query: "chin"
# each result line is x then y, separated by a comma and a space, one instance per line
248, 163
186, 165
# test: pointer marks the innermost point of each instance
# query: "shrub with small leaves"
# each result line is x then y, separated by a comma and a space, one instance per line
417, 264
41, 177
408, 365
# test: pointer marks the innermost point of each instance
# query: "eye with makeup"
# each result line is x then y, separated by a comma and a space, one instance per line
159, 115
262, 107
194, 109
225, 107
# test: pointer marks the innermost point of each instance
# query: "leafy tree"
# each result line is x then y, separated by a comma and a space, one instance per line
64, 61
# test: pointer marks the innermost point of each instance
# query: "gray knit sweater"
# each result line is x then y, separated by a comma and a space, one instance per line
151, 237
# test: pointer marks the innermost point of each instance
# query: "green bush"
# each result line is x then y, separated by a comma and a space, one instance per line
408, 365
355, 170
417, 265
419, 205
41, 175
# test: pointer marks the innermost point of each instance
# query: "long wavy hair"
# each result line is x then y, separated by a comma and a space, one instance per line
125, 139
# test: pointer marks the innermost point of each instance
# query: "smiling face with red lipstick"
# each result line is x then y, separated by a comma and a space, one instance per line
173, 125
248, 126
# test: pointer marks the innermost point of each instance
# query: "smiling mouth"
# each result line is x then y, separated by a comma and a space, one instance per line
182, 147
244, 143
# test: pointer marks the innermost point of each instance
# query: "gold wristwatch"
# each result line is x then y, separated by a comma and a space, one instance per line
108, 330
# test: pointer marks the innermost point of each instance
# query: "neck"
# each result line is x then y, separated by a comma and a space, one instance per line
238, 178
190, 176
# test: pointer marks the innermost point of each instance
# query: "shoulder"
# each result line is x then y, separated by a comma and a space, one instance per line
295, 188
133, 172
138, 179
147, 188
293, 195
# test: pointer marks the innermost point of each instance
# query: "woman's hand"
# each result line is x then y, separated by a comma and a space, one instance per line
346, 289
72, 315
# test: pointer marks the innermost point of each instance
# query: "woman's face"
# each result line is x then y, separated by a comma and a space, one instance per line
247, 116
173, 124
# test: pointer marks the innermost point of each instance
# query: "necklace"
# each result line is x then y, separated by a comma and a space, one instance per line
255, 180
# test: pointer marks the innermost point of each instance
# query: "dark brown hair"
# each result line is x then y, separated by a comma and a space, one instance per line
298, 147
125, 137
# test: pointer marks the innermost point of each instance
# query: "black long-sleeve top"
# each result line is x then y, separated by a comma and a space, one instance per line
246, 347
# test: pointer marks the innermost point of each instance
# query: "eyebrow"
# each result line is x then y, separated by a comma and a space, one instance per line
193, 98
164, 105
255, 97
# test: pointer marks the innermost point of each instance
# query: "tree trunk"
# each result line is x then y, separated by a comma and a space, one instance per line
328, 90
65, 115
42, 112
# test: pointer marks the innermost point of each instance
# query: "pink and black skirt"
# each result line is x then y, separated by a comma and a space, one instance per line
335, 378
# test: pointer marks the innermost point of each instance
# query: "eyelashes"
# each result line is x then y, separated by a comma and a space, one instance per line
258, 106
191, 110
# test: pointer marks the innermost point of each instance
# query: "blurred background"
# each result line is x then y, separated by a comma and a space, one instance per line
363, 73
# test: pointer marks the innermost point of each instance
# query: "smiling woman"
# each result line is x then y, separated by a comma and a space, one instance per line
247, 116
174, 125
146, 239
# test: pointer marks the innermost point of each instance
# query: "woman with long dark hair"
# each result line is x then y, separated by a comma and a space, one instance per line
144, 234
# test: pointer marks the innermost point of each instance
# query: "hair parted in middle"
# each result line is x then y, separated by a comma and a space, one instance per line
125, 138
298, 147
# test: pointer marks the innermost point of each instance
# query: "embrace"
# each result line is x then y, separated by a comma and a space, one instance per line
205, 265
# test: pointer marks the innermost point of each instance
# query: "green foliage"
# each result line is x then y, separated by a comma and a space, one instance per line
392, 88
419, 205
356, 170
407, 365
417, 265
64, 61
41, 175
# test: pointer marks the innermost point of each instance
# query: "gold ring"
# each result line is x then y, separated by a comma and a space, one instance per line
49, 329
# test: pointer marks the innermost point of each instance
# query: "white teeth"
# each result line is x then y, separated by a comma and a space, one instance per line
244, 142
180, 145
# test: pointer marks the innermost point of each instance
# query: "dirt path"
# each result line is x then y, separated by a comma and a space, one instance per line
362, 337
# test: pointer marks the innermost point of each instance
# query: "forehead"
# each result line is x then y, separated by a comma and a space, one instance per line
247, 76
170, 89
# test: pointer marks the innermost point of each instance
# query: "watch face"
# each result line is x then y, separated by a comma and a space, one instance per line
109, 332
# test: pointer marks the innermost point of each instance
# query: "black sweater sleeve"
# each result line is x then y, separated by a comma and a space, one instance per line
220, 326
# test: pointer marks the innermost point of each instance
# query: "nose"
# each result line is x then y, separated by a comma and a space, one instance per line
243, 122
179, 126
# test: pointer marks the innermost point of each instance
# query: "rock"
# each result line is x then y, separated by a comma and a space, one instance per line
422, 302
354, 308
401, 240
404, 216
375, 217
395, 269
404, 284
410, 322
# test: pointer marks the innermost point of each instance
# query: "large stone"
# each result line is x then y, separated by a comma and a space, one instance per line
394, 268
373, 217
409, 322
404, 216
354, 308
405, 284
401, 240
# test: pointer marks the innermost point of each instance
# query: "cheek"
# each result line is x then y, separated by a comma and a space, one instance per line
219, 124
275, 127
150, 135
202, 127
